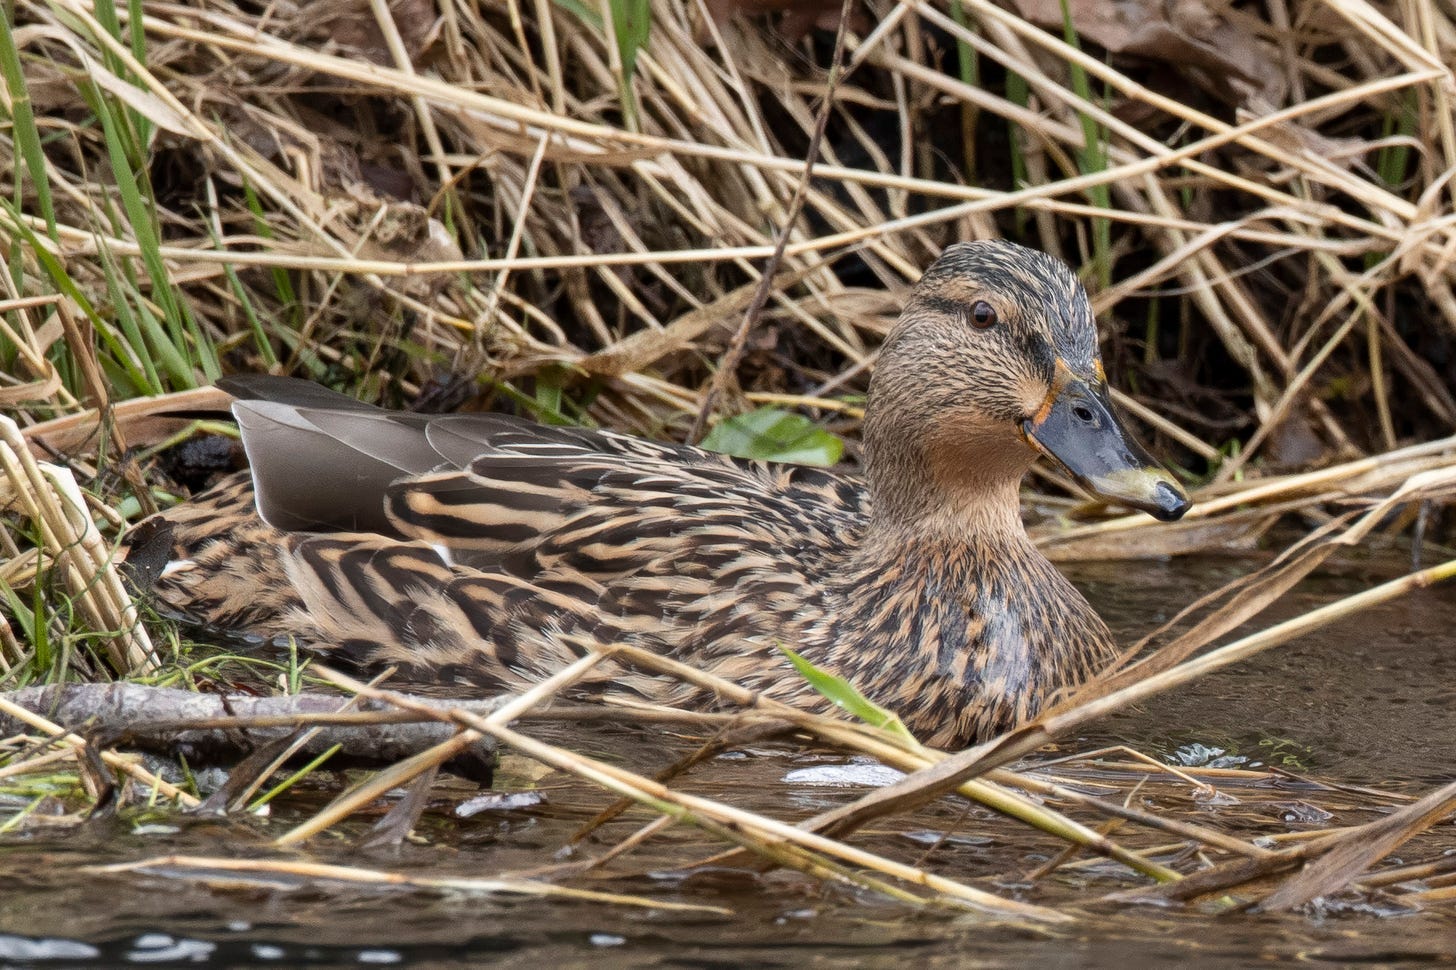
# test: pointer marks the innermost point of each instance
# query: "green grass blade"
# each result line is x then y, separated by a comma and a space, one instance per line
261, 342
1018, 92
128, 363
968, 63
847, 696
587, 14
138, 129
1092, 157
294, 778
187, 346
631, 26
549, 394
23, 129
1393, 161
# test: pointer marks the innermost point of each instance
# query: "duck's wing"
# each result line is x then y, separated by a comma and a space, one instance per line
323, 470
548, 542
487, 489
322, 461
508, 523
604, 504
372, 603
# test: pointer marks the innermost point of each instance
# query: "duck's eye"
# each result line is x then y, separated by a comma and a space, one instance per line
983, 315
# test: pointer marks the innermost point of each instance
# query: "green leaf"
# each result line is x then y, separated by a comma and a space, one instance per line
770, 434
847, 696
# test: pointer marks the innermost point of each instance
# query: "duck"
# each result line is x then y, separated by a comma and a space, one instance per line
482, 552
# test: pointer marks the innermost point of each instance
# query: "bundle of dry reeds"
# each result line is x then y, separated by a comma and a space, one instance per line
521, 192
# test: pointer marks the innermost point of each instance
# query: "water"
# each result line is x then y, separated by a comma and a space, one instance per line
1368, 702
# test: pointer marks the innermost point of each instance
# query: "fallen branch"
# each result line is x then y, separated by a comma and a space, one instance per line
221, 729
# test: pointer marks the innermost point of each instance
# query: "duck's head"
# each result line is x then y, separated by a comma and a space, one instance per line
993, 361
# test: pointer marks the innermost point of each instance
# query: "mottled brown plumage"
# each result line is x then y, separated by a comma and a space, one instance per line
480, 552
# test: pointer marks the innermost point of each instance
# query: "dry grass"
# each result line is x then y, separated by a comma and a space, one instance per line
1277, 272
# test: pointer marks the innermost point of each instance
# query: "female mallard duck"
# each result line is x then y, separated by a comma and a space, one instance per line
483, 551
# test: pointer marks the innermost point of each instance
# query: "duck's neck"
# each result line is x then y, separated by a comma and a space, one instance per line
967, 493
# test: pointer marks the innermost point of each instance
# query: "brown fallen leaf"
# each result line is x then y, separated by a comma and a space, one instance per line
1220, 57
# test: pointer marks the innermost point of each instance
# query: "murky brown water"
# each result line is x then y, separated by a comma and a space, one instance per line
1368, 702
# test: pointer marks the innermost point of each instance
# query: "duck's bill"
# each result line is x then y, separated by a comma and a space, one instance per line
1077, 428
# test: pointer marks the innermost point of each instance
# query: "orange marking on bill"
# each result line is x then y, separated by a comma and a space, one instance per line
1060, 378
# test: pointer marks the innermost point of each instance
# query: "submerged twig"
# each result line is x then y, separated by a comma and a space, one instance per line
202, 867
